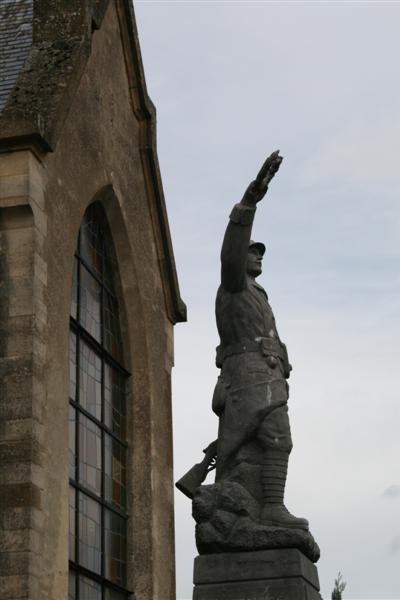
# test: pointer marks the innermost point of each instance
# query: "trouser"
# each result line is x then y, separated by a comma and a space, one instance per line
251, 400
274, 431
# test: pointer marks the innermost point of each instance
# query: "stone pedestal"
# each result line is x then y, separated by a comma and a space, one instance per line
284, 574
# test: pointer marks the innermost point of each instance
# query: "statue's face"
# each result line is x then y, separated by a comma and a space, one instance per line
254, 261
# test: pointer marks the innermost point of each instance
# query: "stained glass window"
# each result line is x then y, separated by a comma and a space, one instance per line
97, 421
90, 303
115, 547
72, 366
72, 442
113, 595
72, 586
114, 400
90, 455
89, 589
72, 523
90, 379
115, 472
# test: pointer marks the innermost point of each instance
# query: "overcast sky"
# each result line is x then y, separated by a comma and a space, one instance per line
233, 81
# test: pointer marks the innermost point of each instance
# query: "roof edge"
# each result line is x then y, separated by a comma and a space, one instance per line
146, 114
27, 141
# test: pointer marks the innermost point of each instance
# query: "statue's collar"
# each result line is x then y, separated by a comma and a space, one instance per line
259, 287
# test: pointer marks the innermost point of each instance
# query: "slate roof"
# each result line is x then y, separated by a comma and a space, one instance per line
16, 18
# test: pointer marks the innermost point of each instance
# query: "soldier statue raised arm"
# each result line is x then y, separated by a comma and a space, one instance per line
250, 398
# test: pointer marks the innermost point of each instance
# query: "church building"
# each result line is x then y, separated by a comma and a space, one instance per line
89, 297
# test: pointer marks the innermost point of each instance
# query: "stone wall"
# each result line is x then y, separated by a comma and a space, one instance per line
23, 326
99, 156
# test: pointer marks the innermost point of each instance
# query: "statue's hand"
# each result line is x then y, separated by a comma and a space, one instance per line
258, 188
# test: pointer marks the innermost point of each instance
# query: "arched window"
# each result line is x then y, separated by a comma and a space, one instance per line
97, 420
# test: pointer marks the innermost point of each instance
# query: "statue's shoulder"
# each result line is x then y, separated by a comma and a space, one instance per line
259, 288
223, 293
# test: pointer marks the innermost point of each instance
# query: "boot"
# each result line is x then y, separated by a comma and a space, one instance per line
273, 480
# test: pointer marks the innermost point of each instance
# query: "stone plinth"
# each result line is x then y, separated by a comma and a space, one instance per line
284, 574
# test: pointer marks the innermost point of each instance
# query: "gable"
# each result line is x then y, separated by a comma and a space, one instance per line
53, 58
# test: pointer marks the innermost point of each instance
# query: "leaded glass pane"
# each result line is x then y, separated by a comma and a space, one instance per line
89, 455
111, 333
110, 265
113, 595
72, 442
115, 548
114, 401
71, 585
89, 589
90, 380
115, 472
74, 291
89, 533
90, 304
72, 365
91, 242
72, 532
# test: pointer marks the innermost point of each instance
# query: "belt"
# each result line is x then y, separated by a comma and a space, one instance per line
266, 346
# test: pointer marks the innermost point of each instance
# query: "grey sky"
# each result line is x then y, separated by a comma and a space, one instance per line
232, 82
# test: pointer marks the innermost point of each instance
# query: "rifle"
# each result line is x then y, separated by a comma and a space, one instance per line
193, 479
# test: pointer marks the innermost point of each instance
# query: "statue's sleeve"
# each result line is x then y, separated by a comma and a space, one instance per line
235, 248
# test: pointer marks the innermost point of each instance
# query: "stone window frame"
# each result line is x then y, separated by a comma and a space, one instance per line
109, 590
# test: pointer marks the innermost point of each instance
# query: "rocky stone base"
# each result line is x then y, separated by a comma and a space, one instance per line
284, 574
227, 518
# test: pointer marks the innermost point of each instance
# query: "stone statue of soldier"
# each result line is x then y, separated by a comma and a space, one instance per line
244, 509
250, 398
250, 545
